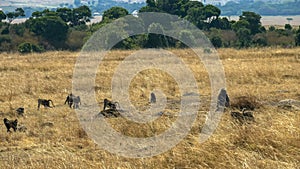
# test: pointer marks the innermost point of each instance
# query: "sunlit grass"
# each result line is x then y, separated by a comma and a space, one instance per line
268, 74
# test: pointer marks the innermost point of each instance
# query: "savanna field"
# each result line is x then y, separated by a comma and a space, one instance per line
261, 76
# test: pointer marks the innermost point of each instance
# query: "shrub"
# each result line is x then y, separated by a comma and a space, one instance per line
5, 31
272, 28
216, 41
260, 40
27, 47
288, 27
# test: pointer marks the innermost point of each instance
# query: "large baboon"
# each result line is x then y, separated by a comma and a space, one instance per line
45, 103
223, 99
152, 98
10, 124
73, 100
112, 105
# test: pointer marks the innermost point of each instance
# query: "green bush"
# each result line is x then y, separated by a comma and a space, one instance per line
5, 31
216, 41
27, 47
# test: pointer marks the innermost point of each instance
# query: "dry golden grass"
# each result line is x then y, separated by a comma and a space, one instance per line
266, 74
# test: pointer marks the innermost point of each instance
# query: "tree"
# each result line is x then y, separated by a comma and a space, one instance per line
2, 15
272, 28
81, 15
65, 14
196, 16
17, 13
114, 13
254, 21
288, 27
157, 40
216, 41
185, 5
244, 36
220, 23
51, 28
240, 24
297, 38
211, 12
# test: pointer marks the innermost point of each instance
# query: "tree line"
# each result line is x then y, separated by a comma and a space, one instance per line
67, 29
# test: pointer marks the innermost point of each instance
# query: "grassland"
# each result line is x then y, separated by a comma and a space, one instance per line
266, 74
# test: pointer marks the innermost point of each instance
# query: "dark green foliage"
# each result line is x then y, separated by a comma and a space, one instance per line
114, 13
5, 31
260, 40
2, 15
76, 39
211, 12
216, 41
17, 13
272, 28
288, 27
27, 47
52, 28
220, 23
254, 21
18, 29
244, 36
81, 15
297, 37
5, 38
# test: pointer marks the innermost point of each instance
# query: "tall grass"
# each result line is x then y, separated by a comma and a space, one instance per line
266, 74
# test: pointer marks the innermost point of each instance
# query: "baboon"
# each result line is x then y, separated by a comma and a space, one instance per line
10, 124
73, 100
20, 111
152, 98
112, 105
45, 103
223, 99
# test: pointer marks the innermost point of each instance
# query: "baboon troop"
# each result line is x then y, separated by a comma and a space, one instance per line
10, 124
45, 103
73, 100
112, 105
152, 98
243, 116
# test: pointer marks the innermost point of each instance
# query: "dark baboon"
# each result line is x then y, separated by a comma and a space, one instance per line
73, 100
223, 99
152, 98
20, 111
45, 103
10, 124
112, 105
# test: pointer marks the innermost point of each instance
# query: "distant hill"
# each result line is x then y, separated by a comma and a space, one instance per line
97, 6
